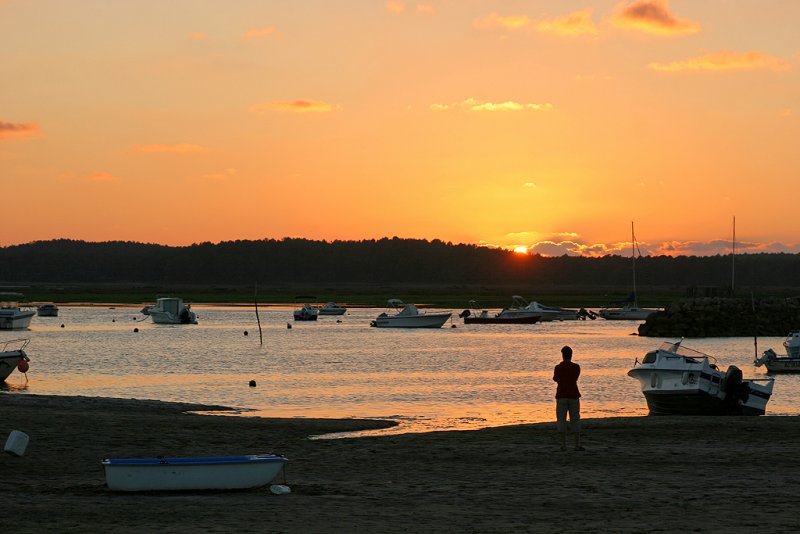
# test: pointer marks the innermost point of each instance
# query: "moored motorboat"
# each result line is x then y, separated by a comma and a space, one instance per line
172, 310
47, 309
306, 313
12, 316
196, 473
676, 380
522, 308
409, 316
331, 308
484, 317
13, 356
783, 364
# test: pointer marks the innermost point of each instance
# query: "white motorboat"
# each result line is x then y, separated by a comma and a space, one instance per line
331, 308
47, 309
198, 473
409, 316
629, 309
474, 316
13, 356
521, 308
306, 313
783, 364
12, 316
677, 380
172, 310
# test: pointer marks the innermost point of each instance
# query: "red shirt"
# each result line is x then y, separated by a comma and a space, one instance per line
566, 376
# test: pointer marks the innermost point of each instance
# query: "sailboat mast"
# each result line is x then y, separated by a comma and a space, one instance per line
733, 256
633, 259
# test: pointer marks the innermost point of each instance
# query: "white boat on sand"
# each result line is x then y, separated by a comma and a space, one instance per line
676, 380
409, 316
12, 354
198, 473
783, 364
12, 316
172, 310
331, 308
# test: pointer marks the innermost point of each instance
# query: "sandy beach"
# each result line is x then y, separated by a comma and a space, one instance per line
665, 474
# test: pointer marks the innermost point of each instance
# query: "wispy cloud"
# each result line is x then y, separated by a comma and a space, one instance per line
652, 16
472, 104
180, 148
102, 177
495, 21
16, 130
296, 106
198, 36
724, 61
224, 175
258, 33
577, 23
395, 6
95, 177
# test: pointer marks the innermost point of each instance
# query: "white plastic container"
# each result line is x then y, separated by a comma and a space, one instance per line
17, 443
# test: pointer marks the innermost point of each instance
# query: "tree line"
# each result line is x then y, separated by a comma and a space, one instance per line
371, 261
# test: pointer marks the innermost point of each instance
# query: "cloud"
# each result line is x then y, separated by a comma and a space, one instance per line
724, 61
258, 33
297, 106
395, 6
180, 148
495, 21
652, 16
16, 130
577, 23
198, 36
224, 175
472, 104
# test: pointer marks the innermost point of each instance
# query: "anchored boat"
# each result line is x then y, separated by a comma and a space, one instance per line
677, 380
783, 364
409, 316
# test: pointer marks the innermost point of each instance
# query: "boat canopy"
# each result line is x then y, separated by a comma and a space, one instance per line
409, 309
396, 303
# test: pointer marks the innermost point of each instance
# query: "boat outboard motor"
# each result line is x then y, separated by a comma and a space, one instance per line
465, 313
735, 391
184, 316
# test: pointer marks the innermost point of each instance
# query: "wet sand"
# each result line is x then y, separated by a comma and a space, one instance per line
659, 474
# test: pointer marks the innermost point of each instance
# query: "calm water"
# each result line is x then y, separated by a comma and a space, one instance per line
470, 376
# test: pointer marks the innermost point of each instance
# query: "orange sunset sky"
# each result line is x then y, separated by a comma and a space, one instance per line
545, 124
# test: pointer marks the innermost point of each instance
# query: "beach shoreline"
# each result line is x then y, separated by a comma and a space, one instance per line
666, 474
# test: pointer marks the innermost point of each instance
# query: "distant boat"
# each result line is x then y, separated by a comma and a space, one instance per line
409, 316
783, 364
629, 309
48, 309
331, 308
172, 310
522, 308
12, 316
483, 317
306, 313
198, 473
12, 354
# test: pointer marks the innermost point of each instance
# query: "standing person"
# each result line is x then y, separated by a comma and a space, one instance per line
568, 398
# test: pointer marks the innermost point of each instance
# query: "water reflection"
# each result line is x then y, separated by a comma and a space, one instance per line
452, 378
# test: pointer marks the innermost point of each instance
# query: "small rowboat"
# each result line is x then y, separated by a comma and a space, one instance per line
197, 473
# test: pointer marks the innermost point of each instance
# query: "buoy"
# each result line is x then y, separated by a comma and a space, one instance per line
452, 326
338, 320
289, 326
62, 325
23, 366
245, 332
252, 383
113, 320
135, 329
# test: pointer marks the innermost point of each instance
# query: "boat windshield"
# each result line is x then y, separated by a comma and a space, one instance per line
680, 350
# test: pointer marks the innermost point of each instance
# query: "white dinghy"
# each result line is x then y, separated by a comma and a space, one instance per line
197, 473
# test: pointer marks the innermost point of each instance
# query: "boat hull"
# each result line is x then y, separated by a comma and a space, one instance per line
530, 319
626, 314
203, 473
332, 311
426, 320
9, 360
15, 320
162, 317
695, 403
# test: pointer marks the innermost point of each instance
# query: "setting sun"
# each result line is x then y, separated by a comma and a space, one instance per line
521, 250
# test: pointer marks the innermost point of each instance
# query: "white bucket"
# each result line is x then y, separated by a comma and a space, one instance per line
16, 443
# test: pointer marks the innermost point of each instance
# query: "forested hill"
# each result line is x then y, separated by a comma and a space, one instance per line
383, 261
